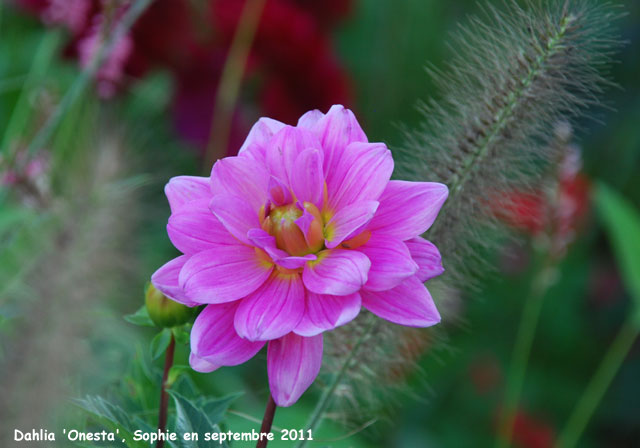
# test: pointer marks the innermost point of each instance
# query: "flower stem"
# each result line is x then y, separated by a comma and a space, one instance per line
230, 81
267, 421
164, 397
522, 350
327, 395
599, 384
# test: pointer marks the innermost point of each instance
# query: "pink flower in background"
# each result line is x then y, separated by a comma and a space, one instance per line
111, 71
70, 13
291, 238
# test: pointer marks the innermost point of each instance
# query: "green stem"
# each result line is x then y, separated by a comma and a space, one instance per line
83, 79
230, 81
327, 395
599, 384
522, 350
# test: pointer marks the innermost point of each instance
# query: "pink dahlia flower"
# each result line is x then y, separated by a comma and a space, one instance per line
292, 238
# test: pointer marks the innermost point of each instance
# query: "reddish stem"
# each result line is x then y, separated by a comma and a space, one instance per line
267, 420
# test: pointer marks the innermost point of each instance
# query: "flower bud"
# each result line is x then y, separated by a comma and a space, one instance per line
164, 312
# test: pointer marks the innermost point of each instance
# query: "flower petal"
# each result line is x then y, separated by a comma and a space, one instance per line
309, 119
279, 192
337, 272
181, 190
214, 338
348, 221
242, 177
427, 256
267, 243
391, 262
165, 280
409, 304
337, 129
273, 310
260, 135
200, 365
407, 209
237, 216
307, 178
325, 312
223, 274
284, 149
360, 175
195, 228
293, 363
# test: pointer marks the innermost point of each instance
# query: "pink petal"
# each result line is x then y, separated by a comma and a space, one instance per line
293, 363
214, 338
237, 216
361, 174
391, 262
427, 256
279, 192
310, 119
337, 272
267, 243
260, 135
408, 304
284, 149
223, 274
325, 312
184, 189
195, 228
242, 177
348, 221
200, 365
307, 179
273, 310
407, 209
304, 222
337, 129
165, 280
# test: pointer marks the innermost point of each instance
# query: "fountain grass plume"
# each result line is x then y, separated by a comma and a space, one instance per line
513, 76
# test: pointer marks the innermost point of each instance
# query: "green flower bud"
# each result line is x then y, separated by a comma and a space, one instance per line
164, 312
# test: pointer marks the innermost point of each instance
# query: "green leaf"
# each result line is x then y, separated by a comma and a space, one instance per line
140, 317
114, 418
160, 342
216, 408
191, 418
176, 372
181, 334
622, 224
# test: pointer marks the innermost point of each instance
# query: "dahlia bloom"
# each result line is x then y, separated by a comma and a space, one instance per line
291, 238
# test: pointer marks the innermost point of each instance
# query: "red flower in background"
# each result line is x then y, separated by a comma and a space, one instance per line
529, 432
292, 65
558, 214
293, 55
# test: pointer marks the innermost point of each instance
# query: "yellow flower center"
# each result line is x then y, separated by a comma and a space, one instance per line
290, 237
